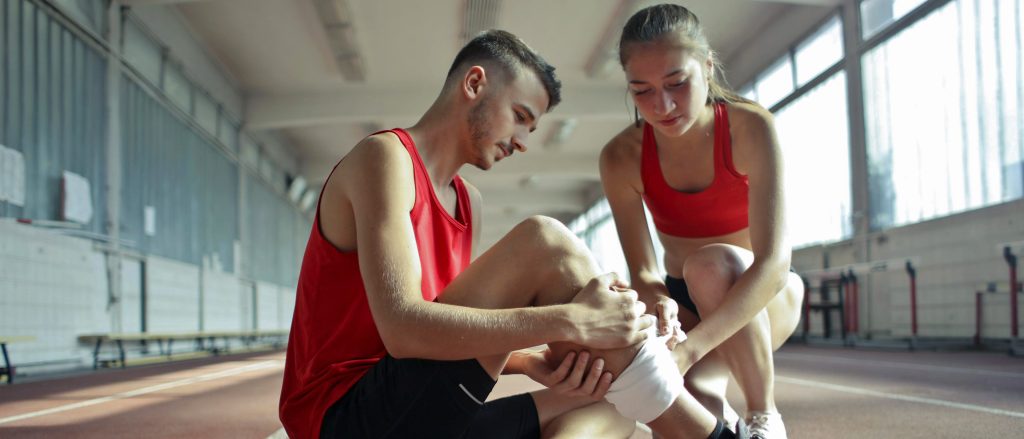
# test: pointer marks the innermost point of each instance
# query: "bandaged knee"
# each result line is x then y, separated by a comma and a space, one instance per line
650, 384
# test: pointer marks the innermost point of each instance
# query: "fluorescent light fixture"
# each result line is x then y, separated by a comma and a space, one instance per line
338, 23
296, 189
308, 199
478, 16
560, 133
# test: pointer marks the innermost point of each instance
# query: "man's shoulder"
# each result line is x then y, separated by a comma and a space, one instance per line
381, 146
374, 160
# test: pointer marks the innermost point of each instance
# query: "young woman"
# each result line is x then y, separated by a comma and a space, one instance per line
708, 166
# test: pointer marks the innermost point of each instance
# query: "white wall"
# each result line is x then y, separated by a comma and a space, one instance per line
52, 287
222, 302
957, 254
172, 296
131, 296
268, 305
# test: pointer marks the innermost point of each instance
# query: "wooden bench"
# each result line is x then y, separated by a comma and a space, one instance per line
204, 341
8, 369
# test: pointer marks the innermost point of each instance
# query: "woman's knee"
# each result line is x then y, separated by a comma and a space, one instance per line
710, 272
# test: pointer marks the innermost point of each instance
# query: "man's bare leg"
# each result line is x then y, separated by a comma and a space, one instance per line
539, 262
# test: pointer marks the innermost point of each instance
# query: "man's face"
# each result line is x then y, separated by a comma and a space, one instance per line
504, 116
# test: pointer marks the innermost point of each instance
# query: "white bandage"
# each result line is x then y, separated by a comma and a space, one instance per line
649, 384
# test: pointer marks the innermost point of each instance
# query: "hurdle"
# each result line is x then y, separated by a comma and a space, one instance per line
847, 278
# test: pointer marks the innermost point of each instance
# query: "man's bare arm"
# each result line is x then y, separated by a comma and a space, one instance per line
379, 183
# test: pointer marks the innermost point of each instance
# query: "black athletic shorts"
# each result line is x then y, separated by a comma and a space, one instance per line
679, 292
413, 398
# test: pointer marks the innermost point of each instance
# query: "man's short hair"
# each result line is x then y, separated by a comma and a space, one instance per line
511, 54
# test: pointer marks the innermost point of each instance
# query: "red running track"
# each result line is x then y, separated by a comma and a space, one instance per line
822, 392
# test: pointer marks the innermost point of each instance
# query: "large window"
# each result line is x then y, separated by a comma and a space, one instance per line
878, 14
814, 134
597, 229
943, 113
820, 51
813, 130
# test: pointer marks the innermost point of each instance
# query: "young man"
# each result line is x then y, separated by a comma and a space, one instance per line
395, 332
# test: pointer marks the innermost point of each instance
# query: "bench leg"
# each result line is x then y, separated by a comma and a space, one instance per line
120, 348
7, 365
170, 341
96, 354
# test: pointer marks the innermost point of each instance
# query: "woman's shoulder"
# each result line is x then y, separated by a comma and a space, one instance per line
624, 145
748, 119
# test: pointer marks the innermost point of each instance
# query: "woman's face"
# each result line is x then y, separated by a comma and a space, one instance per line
668, 83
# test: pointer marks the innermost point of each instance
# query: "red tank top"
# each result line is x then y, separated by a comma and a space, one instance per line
717, 210
333, 339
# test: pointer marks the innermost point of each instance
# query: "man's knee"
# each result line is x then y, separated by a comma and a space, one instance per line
550, 232
555, 242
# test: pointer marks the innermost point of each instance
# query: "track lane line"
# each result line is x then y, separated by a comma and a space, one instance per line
150, 389
898, 397
897, 365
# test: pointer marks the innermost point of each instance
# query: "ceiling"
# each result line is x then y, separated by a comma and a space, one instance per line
284, 56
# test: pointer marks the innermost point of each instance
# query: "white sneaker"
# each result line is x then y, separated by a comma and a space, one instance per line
766, 425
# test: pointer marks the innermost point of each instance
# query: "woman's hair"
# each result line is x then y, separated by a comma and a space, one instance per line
652, 23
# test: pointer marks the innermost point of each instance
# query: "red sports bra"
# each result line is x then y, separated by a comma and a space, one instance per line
717, 210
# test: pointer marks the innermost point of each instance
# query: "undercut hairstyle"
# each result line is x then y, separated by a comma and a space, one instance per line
511, 54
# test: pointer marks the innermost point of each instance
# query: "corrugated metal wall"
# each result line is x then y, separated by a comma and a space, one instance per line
52, 109
271, 255
189, 183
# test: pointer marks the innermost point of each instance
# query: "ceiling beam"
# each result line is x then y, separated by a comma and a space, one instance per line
804, 2
136, 3
358, 104
521, 201
549, 169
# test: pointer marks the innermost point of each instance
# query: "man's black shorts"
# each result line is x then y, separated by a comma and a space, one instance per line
412, 398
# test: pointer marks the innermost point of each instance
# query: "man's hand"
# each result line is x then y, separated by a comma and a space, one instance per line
571, 377
609, 315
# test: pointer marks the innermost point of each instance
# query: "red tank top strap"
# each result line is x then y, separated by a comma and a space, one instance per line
650, 167
723, 143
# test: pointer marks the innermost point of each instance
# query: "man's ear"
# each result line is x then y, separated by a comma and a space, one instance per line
474, 81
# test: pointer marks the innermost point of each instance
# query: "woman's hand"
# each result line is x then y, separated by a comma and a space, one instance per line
667, 312
571, 377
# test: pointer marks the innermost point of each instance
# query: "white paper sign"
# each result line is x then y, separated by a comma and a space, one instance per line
77, 198
16, 190
149, 219
4, 174
12, 176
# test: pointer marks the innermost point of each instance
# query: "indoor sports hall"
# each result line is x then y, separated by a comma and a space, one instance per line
162, 164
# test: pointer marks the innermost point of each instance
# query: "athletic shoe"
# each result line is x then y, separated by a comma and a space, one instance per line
766, 425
